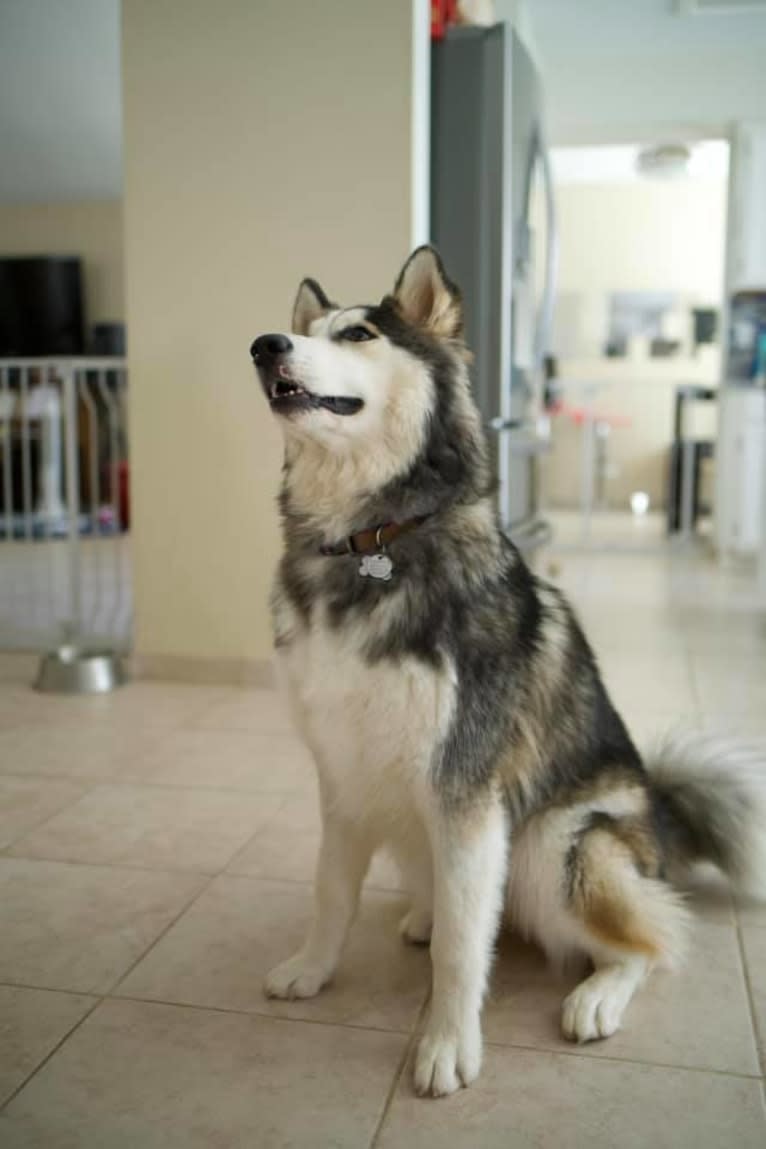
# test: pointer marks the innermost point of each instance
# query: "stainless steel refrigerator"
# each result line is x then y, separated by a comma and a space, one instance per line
488, 162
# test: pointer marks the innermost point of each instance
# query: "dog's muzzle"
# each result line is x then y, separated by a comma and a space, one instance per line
285, 394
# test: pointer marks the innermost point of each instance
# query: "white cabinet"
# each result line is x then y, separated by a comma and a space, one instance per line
746, 244
740, 470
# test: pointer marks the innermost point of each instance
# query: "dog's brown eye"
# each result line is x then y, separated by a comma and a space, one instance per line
356, 334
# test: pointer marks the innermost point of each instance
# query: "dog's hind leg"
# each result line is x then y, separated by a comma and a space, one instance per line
343, 860
630, 919
587, 882
469, 854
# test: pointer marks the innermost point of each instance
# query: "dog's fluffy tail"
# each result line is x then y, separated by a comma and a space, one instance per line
710, 802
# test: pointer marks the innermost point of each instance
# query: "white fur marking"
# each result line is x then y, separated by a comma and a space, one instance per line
595, 1008
470, 863
373, 730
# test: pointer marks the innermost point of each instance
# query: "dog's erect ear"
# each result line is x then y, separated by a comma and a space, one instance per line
310, 303
427, 298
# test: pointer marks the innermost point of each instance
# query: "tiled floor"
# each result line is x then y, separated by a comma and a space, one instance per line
156, 850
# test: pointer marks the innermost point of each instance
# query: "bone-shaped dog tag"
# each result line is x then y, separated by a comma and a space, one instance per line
376, 566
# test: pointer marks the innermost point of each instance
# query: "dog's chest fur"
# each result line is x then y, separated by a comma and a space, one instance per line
373, 727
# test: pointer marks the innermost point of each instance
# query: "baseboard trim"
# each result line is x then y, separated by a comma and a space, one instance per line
203, 671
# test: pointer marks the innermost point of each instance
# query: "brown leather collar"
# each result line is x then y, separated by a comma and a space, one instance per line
374, 539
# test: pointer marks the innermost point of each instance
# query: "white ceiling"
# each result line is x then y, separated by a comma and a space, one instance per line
616, 71
60, 110
626, 70
618, 164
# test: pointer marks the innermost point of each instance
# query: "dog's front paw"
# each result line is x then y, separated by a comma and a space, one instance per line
591, 1012
446, 1060
295, 977
415, 927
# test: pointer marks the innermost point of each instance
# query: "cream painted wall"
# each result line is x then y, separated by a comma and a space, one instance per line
648, 235
91, 229
263, 142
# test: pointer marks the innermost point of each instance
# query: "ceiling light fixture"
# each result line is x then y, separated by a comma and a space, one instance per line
667, 161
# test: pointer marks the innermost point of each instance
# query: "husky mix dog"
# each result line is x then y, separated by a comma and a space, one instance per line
451, 701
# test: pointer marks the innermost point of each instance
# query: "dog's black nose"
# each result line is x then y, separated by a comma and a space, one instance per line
267, 347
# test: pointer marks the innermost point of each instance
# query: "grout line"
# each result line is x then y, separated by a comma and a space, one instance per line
132, 866
92, 782
145, 953
760, 1047
225, 872
413, 1035
69, 1033
113, 995
47, 989
593, 1059
101, 997
87, 788
230, 1011
399, 1072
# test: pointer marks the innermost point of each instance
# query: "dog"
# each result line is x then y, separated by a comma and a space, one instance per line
451, 702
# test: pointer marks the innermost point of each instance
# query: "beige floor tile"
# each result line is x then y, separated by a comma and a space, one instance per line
299, 814
153, 826
754, 945
139, 1076
25, 802
640, 682
287, 846
724, 633
730, 686
276, 852
235, 759
32, 1023
697, 1018
643, 632
627, 584
219, 953
750, 912
262, 711
709, 896
21, 707
156, 706
19, 669
530, 1100
291, 855
81, 927
88, 750
648, 727
749, 727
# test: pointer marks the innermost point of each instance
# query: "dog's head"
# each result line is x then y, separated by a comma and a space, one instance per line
374, 391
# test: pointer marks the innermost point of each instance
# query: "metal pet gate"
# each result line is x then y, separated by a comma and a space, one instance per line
64, 515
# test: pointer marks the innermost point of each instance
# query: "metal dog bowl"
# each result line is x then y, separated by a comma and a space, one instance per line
72, 671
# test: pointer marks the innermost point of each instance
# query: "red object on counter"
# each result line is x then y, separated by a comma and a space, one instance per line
580, 415
443, 12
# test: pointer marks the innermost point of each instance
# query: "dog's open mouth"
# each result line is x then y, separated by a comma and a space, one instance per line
286, 397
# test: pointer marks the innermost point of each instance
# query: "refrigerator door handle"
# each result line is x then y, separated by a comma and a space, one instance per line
499, 423
520, 437
545, 315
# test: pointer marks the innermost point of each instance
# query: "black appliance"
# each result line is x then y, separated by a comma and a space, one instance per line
41, 306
